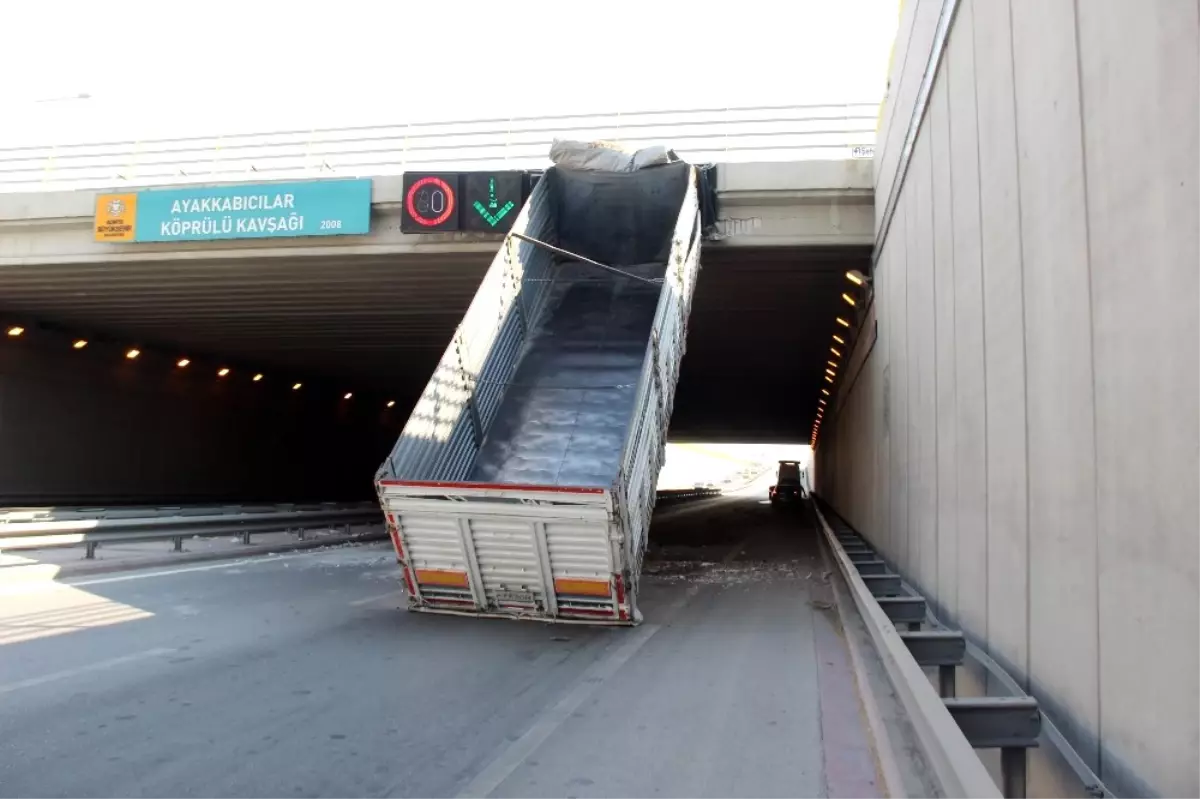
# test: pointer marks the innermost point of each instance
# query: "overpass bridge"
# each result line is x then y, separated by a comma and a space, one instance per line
1011, 420
368, 315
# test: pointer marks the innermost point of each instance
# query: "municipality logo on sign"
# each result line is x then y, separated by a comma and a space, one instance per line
116, 206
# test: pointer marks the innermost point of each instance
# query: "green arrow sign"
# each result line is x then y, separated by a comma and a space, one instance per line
492, 213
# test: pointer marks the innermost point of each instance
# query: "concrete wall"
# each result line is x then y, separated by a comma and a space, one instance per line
91, 426
1022, 442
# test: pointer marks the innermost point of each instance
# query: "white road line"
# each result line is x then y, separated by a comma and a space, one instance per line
75, 672
49, 585
544, 725
368, 600
550, 720
33, 587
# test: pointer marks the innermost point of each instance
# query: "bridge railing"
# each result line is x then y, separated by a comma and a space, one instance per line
763, 133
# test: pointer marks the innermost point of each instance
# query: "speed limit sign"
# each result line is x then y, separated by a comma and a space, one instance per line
430, 202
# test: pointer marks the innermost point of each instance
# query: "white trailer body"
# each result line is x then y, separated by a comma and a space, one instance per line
523, 483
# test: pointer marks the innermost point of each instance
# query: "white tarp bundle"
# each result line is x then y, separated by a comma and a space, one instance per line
607, 156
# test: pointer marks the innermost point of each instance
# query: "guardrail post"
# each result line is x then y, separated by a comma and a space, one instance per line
300, 531
178, 541
91, 550
1012, 771
946, 681
246, 537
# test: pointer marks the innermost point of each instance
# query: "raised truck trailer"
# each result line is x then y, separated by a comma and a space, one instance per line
523, 483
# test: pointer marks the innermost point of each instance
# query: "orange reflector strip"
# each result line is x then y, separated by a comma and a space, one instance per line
583, 587
442, 577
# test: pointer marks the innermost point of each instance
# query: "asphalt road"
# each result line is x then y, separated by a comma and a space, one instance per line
299, 675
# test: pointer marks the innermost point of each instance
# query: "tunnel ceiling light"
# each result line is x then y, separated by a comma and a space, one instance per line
132, 354
80, 343
825, 391
836, 352
224, 370
257, 377
857, 278
828, 379
838, 339
832, 363
821, 402
296, 386
391, 403
849, 299
183, 362
16, 330
831, 373
843, 323
348, 395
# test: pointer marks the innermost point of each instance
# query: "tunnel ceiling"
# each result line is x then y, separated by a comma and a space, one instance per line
757, 343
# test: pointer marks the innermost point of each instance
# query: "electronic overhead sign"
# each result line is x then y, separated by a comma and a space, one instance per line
479, 202
431, 203
492, 200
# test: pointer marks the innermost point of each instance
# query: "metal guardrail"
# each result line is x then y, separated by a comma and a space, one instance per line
39, 529
42, 528
762, 133
948, 728
686, 494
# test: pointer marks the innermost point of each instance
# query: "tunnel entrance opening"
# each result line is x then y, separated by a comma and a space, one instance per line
300, 371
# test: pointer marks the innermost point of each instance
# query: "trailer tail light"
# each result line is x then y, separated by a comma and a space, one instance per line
622, 608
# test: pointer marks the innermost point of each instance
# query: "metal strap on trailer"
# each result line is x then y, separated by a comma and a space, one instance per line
949, 727
53, 528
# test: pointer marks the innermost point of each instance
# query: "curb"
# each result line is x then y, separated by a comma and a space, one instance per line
36, 571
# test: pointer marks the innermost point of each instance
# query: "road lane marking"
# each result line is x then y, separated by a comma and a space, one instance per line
510, 758
99, 665
544, 725
31, 587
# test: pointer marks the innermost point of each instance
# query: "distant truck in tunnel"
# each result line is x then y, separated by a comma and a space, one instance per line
523, 483
789, 484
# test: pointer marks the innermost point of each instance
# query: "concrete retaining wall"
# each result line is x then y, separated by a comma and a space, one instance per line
1023, 439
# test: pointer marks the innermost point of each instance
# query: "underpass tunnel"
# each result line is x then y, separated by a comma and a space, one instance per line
289, 378
760, 340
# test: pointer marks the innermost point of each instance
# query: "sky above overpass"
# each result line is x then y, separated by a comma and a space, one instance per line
150, 69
